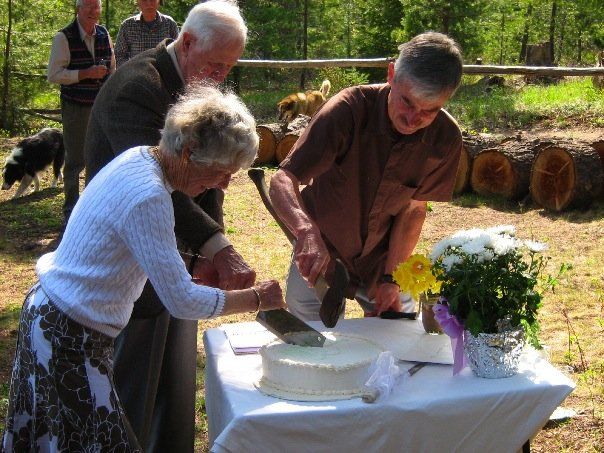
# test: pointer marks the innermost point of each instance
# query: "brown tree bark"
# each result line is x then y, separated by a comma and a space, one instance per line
525, 34
291, 133
566, 175
4, 122
286, 144
270, 135
598, 147
472, 145
552, 29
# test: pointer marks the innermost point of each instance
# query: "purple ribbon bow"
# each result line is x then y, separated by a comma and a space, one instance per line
452, 327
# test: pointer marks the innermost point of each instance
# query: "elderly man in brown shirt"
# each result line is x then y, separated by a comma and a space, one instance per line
370, 160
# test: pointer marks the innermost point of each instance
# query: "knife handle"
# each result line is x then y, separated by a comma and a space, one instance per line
391, 314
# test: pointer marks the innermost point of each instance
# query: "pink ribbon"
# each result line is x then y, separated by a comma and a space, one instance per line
453, 328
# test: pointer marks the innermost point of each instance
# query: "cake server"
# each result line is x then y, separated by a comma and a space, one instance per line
290, 329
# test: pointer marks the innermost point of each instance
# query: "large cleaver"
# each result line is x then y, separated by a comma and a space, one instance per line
289, 328
331, 293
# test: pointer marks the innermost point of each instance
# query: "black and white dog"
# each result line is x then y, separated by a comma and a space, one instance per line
31, 156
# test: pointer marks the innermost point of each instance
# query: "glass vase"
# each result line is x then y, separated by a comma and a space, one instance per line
430, 324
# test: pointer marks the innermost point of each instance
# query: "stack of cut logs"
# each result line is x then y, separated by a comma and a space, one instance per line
558, 174
277, 139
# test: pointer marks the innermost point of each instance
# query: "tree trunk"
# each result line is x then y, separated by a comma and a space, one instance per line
552, 30
501, 33
270, 135
6, 69
566, 175
235, 76
598, 147
304, 44
472, 145
504, 171
525, 34
464, 168
563, 22
286, 144
294, 130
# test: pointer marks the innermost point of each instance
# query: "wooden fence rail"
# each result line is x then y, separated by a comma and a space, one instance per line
55, 114
383, 62
48, 114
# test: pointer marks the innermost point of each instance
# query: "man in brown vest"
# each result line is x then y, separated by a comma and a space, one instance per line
81, 59
370, 160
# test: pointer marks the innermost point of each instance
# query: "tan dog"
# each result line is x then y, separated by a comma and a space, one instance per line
303, 103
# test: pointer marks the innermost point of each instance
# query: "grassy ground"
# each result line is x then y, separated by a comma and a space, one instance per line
572, 318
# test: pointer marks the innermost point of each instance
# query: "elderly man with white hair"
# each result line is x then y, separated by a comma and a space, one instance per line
81, 59
155, 356
121, 231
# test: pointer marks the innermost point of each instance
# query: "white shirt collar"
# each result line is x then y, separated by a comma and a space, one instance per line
172, 52
83, 33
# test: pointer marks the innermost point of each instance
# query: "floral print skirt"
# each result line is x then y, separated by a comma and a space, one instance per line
62, 396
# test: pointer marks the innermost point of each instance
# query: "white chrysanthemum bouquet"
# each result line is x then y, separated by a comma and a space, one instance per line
491, 279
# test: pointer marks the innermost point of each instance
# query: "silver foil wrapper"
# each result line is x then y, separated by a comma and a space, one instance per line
494, 355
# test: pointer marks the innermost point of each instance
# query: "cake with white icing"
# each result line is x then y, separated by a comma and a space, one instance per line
338, 370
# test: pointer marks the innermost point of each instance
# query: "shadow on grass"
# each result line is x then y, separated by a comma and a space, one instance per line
9, 326
594, 212
30, 225
473, 200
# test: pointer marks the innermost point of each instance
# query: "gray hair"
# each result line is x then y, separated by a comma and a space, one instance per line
79, 3
432, 62
216, 22
217, 127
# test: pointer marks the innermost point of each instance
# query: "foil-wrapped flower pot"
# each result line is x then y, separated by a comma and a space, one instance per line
494, 355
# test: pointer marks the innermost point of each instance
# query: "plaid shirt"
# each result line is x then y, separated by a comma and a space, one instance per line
136, 35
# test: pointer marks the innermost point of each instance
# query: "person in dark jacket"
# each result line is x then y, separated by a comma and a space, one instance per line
155, 355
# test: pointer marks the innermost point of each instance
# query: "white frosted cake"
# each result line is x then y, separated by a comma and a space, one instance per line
338, 370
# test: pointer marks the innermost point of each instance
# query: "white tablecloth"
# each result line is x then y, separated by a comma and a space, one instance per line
432, 411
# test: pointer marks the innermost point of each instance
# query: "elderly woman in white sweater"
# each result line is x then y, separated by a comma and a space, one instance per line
120, 233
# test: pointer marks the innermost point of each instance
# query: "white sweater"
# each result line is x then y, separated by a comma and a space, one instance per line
120, 233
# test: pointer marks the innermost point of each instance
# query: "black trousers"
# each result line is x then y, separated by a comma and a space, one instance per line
155, 376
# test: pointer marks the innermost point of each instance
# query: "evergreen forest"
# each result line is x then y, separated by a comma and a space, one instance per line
495, 31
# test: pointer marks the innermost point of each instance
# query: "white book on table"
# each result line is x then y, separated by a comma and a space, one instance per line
247, 337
